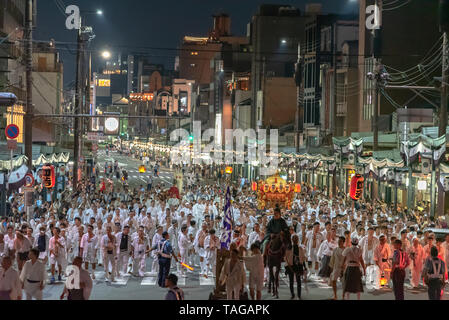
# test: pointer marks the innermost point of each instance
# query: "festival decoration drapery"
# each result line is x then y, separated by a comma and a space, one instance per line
423, 145
348, 145
19, 161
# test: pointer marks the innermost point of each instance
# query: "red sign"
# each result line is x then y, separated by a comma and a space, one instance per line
12, 131
29, 180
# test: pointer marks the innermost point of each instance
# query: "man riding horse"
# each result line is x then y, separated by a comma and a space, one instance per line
275, 226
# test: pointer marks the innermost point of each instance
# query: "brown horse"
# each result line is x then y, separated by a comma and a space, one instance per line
273, 255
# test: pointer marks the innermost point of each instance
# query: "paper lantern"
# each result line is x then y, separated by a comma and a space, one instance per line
297, 188
228, 170
142, 169
254, 186
383, 280
48, 176
356, 189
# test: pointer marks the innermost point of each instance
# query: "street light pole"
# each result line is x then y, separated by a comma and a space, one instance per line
375, 55
78, 103
29, 83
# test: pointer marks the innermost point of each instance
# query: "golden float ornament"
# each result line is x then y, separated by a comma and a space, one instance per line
276, 191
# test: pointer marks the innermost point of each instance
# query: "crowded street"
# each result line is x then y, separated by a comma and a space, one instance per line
227, 153
197, 284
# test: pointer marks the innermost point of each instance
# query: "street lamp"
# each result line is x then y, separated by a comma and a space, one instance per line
106, 54
100, 12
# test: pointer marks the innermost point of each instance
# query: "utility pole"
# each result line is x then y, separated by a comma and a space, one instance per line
299, 103
29, 83
376, 47
444, 87
333, 113
444, 27
78, 104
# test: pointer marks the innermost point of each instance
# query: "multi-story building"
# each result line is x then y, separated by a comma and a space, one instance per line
325, 35
12, 70
274, 32
346, 113
210, 62
48, 92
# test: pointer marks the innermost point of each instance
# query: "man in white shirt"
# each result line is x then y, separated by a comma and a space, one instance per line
33, 276
199, 246
211, 244
313, 242
10, 285
256, 235
85, 284
185, 244
124, 248
89, 247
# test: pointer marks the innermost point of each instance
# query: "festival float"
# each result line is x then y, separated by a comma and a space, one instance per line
275, 191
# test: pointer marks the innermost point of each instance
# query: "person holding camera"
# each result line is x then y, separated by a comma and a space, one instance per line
434, 275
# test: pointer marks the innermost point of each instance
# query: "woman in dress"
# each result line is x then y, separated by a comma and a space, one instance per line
353, 276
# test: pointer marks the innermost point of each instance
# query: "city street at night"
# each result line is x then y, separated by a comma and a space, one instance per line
247, 158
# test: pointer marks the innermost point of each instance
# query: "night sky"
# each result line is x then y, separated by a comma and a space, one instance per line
142, 25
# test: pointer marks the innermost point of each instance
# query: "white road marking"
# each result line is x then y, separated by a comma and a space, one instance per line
181, 281
149, 281
121, 281
207, 281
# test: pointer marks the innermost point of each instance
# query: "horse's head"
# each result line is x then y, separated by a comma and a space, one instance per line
275, 241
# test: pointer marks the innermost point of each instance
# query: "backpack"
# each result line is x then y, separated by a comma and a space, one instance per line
178, 293
436, 272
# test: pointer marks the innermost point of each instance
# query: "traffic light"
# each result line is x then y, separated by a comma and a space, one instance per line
48, 176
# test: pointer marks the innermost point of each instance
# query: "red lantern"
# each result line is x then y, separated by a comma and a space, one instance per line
356, 189
48, 176
297, 188
254, 186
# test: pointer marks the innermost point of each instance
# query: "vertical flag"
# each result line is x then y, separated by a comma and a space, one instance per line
226, 236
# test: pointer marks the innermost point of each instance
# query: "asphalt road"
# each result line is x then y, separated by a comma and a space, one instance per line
194, 286
131, 165
199, 288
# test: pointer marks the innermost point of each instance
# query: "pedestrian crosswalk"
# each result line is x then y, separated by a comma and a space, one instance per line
150, 279
138, 175
193, 279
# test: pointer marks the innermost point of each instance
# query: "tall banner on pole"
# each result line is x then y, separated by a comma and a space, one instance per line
227, 223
